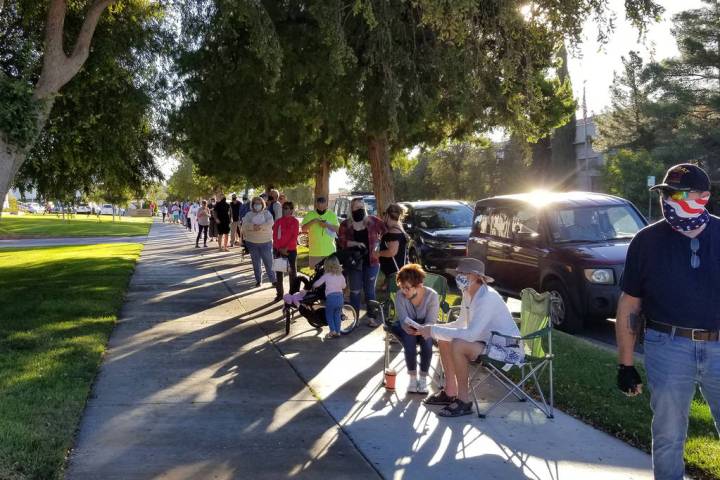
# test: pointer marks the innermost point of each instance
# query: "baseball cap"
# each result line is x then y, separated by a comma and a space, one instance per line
472, 265
685, 177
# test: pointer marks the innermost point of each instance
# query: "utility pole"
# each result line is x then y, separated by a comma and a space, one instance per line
585, 132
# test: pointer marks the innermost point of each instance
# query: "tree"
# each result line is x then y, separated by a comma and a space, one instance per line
34, 67
360, 176
625, 174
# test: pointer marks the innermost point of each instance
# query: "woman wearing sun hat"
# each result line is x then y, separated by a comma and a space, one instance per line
482, 312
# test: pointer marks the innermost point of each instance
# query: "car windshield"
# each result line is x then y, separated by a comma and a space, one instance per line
594, 224
444, 217
370, 206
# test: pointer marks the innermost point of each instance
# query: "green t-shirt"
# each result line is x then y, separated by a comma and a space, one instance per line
320, 240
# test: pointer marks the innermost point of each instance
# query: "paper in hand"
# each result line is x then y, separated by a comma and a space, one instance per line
411, 323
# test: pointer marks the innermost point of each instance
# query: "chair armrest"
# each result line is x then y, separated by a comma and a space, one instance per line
508, 337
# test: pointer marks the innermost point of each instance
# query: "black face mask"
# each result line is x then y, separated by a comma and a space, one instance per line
358, 215
321, 212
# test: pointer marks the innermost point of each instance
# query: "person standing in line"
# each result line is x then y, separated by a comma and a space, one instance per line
393, 244
285, 235
164, 211
235, 219
257, 232
212, 228
222, 217
362, 232
192, 214
203, 220
670, 280
273, 205
321, 225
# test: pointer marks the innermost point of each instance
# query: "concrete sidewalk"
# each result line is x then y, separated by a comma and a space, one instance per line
199, 382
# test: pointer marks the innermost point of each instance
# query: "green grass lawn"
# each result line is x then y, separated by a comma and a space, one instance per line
80, 226
57, 308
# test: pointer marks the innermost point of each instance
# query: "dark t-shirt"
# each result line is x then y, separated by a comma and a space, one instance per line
235, 208
387, 265
222, 210
362, 237
657, 269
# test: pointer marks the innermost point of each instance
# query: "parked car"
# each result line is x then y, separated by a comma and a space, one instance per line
83, 208
438, 231
34, 207
573, 244
342, 204
106, 209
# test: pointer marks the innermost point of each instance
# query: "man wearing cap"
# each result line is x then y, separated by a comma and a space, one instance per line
671, 276
482, 312
321, 225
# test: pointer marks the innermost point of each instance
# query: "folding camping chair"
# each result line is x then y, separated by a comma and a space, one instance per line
536, 320
386, 311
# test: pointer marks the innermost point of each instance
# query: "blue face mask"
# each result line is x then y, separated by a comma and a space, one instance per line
462, 281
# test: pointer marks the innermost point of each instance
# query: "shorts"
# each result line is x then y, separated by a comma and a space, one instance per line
223, 228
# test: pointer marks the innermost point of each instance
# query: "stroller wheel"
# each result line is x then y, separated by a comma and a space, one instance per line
348, 319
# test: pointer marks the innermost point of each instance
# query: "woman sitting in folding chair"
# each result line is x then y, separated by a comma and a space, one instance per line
482, 312
420, 304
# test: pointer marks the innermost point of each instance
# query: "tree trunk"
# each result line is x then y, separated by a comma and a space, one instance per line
322, 180
11, 158
382, 176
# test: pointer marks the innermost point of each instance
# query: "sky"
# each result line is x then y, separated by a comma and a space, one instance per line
591, 65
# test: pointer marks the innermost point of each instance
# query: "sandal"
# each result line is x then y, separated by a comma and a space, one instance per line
440, 398
457, 409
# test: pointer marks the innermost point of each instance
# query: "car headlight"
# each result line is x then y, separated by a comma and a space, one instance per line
604, 276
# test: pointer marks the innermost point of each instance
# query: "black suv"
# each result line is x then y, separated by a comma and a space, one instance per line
438, 231
571, 243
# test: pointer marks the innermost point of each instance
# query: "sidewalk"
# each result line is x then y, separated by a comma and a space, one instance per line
199, 382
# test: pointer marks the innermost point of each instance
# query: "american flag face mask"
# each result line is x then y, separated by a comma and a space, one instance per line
684, 214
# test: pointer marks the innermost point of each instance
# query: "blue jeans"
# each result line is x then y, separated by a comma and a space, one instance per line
333, 308
261, 253
410, 343
363, 280
675, 365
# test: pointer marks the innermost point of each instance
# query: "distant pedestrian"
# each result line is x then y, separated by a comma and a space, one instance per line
235, 206
193, 216
222, 217
273, 206
164, 211
203, 220
212, 228
671, 277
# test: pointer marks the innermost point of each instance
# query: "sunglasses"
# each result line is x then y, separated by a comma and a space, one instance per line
694, 257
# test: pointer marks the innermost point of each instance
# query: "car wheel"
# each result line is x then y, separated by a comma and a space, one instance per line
567, 316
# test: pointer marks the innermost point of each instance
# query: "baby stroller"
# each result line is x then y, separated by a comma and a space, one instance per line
312, 305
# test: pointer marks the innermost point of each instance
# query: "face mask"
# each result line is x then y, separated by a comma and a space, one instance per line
462, 281
685, 215
321, 212
257, 207
358, 215
412, 297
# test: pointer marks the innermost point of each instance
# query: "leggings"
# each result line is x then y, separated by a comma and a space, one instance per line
202, 229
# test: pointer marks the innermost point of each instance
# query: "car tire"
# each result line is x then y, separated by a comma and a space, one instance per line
568, 318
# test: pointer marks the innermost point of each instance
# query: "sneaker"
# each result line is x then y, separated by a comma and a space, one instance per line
412, 386
440, 398
422, 385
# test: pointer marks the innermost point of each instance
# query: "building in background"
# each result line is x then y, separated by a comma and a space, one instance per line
589, 162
